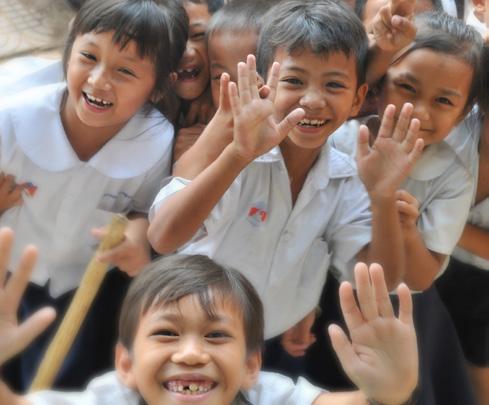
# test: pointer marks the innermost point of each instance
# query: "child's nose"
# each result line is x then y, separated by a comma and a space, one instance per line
312, 100
99, 78
191, 352
421, 111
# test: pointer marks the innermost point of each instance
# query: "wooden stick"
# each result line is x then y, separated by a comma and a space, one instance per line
79, 306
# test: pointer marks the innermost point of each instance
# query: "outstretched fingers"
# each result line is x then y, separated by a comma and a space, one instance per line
405, 304
245, 95
381, 293
272, 81
365, 292
387, 122
403, 123
363, 147
224, 102
343, 347
253, 77
349, 308
20, 278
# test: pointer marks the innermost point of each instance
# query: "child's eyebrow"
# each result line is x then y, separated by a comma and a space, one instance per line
444, 91
328, 73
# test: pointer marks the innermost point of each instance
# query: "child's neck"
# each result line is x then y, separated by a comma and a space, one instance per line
86, 141
298, 162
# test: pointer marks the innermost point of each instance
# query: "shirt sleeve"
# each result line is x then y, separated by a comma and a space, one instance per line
273, 388
350, 229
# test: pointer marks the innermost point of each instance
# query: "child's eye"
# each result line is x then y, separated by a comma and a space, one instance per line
127, 72
217, 76
335, 85
88, 56
197, 36
292, 80
406, 87
218, 335
165, 332
444, 100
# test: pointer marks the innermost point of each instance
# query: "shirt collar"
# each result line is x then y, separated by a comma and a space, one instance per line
434, 161
40, 134
330, 164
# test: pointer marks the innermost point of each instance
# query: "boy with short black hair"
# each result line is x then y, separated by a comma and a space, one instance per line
281, 216
191, 330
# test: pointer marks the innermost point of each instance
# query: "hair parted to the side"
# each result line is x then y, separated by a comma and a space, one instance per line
448, 35
240, 16
321, 26
169, 279
212, 5
159, 28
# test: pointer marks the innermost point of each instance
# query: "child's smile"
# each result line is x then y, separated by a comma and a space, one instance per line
436, 84
181, 354
107, 85
325, 86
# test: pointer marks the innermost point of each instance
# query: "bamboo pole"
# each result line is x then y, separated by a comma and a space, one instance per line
79, 306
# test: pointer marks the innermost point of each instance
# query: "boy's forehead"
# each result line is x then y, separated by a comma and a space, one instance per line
305, 57
231, 41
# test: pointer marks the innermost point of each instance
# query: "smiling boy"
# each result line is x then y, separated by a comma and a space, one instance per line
191, 332
278, 204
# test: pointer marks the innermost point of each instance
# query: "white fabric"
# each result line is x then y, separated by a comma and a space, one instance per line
72, 196
270, 389
439, 181
285, 251
23, 73
473, 21
449, 7
465, 140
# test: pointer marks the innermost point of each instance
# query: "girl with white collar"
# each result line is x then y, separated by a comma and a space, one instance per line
84, 149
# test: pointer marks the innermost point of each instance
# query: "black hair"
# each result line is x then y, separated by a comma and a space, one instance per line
212, 5
239, 16
483, 92
445, 34
159, 28
322, 26
169, 279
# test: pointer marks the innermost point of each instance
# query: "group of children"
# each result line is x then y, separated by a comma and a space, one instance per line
278, 170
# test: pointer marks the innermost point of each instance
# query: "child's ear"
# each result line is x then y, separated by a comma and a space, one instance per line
252, 369
123, 365
359, 99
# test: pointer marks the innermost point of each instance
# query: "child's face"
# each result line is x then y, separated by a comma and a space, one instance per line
325, 86
226, 50
193, 70
436, 84
180, 355
106, 85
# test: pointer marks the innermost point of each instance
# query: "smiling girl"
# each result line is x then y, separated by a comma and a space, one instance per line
85, 149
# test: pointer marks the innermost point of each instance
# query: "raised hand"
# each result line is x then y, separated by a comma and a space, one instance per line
14, 337
392, 28
381, 357
256, 130
384, 166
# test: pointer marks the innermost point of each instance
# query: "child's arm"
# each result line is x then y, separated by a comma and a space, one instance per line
382, 169
381, 356
10, 193
475, 240
255, 132
392, 29
134, 252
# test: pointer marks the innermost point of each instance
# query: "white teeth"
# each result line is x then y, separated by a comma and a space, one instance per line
98, 101
315, 123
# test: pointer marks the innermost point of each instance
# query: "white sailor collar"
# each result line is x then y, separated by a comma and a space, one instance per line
39, 132
434, 161
331, 164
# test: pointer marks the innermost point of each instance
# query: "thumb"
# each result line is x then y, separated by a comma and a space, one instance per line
342, 347
289, 122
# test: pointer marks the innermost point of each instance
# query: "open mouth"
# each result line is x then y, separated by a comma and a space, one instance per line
188, 74
96, 102
312, 123
185, 387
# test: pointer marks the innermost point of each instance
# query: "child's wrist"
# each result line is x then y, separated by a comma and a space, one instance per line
411, 400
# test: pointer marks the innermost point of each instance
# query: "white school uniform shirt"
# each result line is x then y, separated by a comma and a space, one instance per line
284, 250
465, 140
270, 389
439, 181
63, 197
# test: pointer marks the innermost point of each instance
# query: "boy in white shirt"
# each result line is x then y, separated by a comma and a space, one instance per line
278, 204
191, 331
